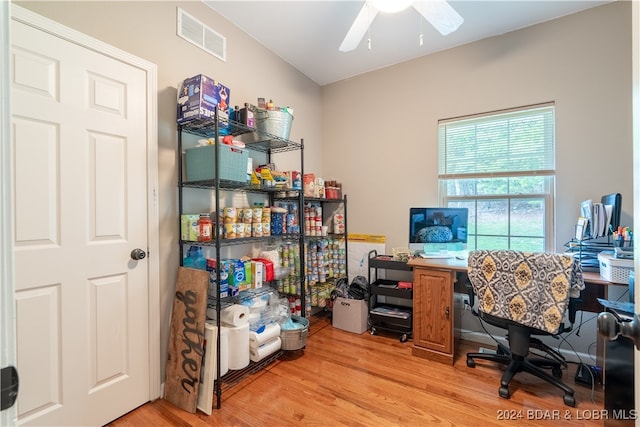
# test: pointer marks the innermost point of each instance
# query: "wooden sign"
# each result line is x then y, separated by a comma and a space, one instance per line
186, 338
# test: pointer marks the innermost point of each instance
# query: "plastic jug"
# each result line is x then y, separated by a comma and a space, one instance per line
195, 259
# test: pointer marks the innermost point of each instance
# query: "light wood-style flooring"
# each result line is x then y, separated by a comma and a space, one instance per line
363, 380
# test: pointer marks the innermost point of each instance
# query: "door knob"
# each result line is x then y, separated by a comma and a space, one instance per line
611, 326
9, 387
138, 254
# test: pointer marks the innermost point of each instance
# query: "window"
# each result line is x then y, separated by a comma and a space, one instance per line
501, 166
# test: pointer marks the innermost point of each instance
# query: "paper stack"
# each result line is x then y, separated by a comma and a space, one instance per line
594, 220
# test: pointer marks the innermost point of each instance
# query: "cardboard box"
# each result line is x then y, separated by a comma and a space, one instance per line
224, 278
189, 227
198, 98
238, 278
257, 271
350, 315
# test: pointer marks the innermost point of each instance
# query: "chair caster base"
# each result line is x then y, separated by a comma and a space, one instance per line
504, 392
471, 363
569, 400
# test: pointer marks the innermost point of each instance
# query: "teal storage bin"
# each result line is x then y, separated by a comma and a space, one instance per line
200, 163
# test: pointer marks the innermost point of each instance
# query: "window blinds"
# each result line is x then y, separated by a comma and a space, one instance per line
515, 142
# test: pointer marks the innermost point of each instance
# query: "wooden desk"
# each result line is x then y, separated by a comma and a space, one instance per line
434, 319
594, 287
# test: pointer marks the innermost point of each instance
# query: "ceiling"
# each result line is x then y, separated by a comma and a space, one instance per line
307, 34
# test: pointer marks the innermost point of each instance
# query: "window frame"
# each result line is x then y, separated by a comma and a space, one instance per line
547, 197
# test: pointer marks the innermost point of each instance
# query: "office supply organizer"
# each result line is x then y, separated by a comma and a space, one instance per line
589, 252
623, 243
587, 248
586, 251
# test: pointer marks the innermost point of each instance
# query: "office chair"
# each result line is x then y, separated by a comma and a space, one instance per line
526, 294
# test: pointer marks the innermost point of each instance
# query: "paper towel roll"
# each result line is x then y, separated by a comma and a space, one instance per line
266, 349
238, 338
235, 315
271, 331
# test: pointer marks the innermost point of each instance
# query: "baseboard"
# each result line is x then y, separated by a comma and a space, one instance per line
486, 341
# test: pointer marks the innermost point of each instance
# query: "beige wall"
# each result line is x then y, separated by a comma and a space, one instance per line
380, 129
148, 30
383, 146
377, 133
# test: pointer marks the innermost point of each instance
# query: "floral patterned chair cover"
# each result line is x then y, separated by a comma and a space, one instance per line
530, 288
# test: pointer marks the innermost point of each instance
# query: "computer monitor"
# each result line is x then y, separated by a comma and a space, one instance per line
438, 229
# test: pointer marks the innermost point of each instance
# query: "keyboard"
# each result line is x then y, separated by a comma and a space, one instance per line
435, 255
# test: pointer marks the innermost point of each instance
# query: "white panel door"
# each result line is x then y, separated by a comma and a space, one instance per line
7, 319
79, 134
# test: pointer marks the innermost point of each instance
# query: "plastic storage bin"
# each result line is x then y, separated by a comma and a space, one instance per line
613, 269
200, 163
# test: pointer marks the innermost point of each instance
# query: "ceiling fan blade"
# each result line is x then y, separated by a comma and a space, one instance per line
440, 14
359, 27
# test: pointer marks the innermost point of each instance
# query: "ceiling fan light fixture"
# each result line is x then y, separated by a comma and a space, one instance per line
438, 12
391, 6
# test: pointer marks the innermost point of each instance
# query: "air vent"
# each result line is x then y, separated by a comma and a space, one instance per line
194, 31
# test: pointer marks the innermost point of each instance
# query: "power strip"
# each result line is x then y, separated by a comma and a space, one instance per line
486, 350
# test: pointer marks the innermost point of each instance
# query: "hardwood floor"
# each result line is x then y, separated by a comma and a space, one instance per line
363, 380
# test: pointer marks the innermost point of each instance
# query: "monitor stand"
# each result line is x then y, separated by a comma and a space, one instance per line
416, 248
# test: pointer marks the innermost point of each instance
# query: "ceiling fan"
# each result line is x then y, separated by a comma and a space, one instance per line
438, 12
